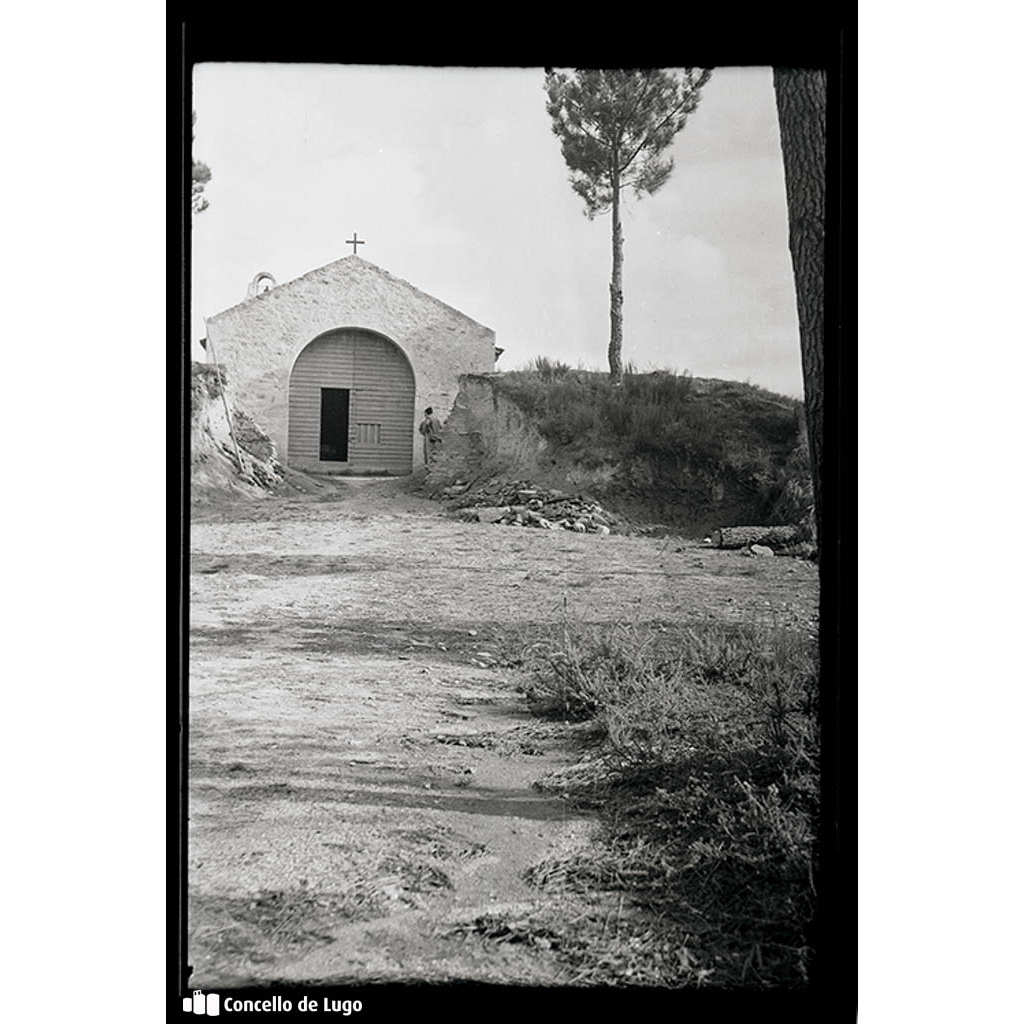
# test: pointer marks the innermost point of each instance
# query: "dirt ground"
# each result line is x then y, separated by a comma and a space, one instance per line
361, 760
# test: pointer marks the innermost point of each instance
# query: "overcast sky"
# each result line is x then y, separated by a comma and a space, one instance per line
456, 182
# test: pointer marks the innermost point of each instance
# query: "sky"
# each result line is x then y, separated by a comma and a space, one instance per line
456, 182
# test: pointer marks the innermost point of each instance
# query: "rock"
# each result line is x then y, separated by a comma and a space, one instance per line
602, 530
579, 528
760, 549
490, 515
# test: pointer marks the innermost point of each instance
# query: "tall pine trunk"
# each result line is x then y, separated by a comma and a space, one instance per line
800, 97
615, 344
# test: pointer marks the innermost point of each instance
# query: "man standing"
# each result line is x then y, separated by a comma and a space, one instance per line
430, 428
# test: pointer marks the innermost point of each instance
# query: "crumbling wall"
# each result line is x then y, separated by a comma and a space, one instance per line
486, 435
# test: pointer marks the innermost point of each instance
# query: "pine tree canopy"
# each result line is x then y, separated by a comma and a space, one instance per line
614, 127
201, 176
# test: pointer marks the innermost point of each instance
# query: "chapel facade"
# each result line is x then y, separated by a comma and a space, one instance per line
338, 365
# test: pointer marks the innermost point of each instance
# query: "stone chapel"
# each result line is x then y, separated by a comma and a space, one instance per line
338, 365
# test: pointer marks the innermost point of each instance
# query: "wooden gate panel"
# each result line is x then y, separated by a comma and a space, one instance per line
383, 408
381, 403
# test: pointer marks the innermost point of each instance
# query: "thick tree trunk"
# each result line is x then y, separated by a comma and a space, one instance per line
741, 536
615, 344
800, 98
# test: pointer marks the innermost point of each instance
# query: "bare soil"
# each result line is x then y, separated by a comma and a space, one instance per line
362, 762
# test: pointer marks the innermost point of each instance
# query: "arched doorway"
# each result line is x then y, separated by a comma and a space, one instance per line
351, 405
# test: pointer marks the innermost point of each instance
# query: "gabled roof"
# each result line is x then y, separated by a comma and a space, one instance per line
346, 265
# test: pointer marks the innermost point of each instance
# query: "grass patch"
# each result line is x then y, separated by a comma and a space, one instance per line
661, 413
723, 429
707, 782
597, 943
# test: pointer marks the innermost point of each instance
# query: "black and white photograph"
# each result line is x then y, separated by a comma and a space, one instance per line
510, 535
508, 530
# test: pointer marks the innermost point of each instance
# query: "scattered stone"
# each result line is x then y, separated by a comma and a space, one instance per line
520, 503
760, 549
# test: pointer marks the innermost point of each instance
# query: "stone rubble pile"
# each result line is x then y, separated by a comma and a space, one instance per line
521, 504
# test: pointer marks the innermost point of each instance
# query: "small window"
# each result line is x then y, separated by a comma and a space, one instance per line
368, 433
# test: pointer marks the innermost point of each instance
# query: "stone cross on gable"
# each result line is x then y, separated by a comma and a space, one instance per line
354, 241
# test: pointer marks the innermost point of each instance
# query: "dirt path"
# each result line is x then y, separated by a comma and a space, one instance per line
361, 764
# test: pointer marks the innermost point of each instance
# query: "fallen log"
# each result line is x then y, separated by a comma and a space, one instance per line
741, 536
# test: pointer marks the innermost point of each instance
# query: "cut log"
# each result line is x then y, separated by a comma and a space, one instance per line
741, 536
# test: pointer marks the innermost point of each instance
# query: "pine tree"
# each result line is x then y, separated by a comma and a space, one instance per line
200, 177
801, 100
614, 127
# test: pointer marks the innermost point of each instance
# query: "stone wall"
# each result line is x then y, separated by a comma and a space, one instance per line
259, 339
487, 435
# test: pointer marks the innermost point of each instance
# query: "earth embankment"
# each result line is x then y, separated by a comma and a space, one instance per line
690, 454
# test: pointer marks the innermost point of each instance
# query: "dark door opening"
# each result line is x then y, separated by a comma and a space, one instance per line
334, 424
